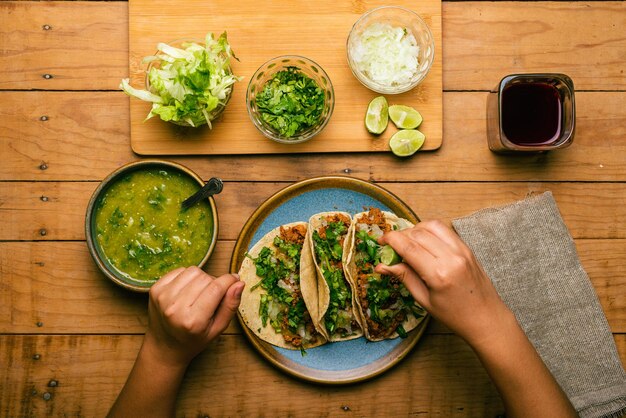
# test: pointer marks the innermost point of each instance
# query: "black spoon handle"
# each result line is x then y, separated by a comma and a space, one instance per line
213, 186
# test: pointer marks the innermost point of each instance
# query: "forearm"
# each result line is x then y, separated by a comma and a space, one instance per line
151, 387
527, 387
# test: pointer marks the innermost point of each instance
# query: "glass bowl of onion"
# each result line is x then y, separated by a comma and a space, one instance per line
390, 49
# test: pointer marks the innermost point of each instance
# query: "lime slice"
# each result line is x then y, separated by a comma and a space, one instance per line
389, 256
377, 115
406, 142
405, 117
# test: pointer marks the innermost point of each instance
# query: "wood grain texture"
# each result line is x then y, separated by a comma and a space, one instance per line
53, 287
441, 377
57, 284
86, 137
56, 210
484, 41
63, 45
256, 37
477, 51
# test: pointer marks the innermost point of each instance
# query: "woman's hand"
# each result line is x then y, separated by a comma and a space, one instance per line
444, 277
188, 309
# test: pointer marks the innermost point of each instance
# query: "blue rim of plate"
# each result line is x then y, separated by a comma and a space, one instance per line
339, 362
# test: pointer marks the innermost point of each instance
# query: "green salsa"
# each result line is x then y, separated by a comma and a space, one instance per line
142, 230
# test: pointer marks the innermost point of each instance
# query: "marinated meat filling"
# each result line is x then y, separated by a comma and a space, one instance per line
294, 234
380, 297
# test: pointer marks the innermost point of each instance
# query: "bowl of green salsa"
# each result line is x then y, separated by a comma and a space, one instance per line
136, 229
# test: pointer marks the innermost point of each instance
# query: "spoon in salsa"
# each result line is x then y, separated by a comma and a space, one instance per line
213, 186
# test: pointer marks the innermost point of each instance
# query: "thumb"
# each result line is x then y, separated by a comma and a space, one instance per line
414, 284
228, 307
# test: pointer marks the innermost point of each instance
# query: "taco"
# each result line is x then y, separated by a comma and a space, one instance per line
330, 239
387, 308
274, 303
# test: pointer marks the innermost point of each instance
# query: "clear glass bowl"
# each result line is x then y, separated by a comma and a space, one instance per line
215, 113
398, 17
266, 72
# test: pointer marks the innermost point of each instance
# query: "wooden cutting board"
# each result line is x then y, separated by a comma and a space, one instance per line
261, 30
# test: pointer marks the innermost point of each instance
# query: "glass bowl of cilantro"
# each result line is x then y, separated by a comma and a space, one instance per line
290, 99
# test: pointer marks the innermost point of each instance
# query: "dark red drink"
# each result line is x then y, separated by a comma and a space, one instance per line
531, 113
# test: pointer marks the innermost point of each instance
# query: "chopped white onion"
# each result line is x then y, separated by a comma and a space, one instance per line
302, 331
284, 285
273, 309
386, 54
376, 232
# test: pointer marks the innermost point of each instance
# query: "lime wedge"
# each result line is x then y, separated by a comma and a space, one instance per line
389, 256
405, 117
406, 142
377, 115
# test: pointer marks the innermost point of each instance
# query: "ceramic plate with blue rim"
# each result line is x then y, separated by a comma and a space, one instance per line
338, 362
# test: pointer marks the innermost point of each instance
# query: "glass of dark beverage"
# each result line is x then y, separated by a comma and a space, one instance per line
531, 112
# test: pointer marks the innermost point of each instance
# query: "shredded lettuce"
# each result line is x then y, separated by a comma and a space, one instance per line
190, 82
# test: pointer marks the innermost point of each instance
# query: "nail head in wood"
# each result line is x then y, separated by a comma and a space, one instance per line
43, 232
47, 76
43, 118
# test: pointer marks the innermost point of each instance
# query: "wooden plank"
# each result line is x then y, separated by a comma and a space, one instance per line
256, 38
57, 285
63, 45
93, 129
56, 210
484, 41
57, 132
441, 377
93, 38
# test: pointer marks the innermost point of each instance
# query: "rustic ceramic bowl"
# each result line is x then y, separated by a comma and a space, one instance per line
339, 362
90, 231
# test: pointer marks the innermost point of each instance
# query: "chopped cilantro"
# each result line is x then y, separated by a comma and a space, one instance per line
328, 253
291, 102
401, 332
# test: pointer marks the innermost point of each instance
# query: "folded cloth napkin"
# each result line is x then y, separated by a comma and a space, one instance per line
527, 251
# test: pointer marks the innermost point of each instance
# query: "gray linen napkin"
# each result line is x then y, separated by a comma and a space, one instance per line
528, 253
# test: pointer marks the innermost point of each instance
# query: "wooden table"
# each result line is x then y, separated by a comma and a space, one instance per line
68, 337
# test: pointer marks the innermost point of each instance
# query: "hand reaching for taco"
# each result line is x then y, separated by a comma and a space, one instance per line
387, 308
